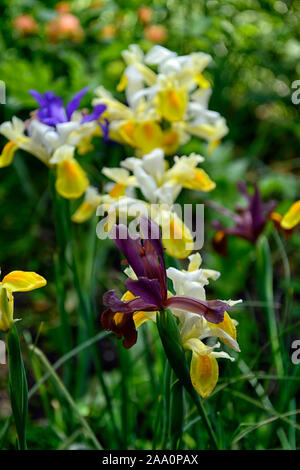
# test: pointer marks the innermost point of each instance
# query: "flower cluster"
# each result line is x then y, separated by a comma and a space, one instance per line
159, 185
165, 108
147, 294
52, 134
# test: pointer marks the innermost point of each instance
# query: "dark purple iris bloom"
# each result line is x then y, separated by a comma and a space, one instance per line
53, 112
249, 222
145, 256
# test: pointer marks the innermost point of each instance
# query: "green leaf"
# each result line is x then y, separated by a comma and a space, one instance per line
18, 388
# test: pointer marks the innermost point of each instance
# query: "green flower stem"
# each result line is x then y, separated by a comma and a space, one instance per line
171, 341
166, 408
60, 275
18, 389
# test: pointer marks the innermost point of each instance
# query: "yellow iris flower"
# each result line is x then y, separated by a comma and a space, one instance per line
16, 281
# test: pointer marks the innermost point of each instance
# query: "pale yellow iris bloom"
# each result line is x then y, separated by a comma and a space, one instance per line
16, 281
160, 187
204, 369
54, 147
165, 108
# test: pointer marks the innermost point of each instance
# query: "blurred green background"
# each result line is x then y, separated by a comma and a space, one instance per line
255, 46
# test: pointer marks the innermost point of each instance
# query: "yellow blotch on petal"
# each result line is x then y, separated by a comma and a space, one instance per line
276, 217
200, 181
147, 136
204, 373
171, 104
170, 142
118, 190
292, 217
84, 212
23, 281
7, 154
126, 133
176, 237
139, 317
72, 180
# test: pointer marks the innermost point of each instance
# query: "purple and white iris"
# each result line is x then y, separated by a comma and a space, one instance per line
146, 258
53, 112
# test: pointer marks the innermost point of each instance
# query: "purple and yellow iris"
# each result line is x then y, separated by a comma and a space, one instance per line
145, 255
249, 222
53, 112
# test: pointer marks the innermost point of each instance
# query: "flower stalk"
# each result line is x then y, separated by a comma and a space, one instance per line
172, 345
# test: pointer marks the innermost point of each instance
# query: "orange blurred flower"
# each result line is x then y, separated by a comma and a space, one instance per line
65, 26
26, 25
156, 33
108, 31
63, 7
145, 14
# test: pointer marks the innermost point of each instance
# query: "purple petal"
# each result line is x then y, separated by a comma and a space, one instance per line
111, 300
151, 231
95, 114
148, 289
74, 103
38, 97
131, 249
212, 310
105, 129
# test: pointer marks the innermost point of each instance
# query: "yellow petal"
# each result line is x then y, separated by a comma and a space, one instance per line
72, 180
292, 217
200, 181
123, 83
171, 104
147, 136
170, 142
176, 237
139, 318
7, 154
201, 81
84, 212
213, 144
226, 325
23, 281
204, 373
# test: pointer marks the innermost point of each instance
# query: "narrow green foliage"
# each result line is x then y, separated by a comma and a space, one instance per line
18, 389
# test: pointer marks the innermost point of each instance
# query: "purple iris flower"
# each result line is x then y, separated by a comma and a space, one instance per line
53, 112
249, 222
146, 257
